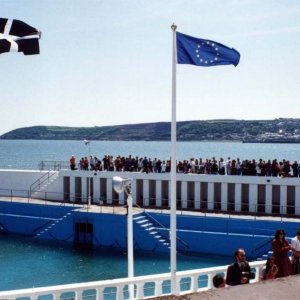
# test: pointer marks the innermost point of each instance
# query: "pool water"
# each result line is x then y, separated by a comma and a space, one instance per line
26, 262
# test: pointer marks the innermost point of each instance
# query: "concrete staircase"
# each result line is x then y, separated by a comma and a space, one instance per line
265, 256
38, 188
51, 225
144, 222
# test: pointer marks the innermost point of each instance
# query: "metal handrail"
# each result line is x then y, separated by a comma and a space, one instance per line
262, 244
41, 180
59, 197
164, 227
53, 165
16, 195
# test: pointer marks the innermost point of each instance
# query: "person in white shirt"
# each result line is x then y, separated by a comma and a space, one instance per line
228, 166
92, 162
222, 166
295, 245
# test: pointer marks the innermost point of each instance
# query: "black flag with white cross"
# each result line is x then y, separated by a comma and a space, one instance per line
17, 36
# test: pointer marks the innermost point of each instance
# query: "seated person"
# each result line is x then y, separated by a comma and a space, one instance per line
219, 281
270, 270
239, 272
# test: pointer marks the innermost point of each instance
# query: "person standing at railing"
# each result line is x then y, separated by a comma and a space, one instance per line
73, 163
281, 247
222, 166
92, 162
228, 166
85, 164
295, 244
239, 272
295, 168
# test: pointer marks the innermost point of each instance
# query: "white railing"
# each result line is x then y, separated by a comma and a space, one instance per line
146, 287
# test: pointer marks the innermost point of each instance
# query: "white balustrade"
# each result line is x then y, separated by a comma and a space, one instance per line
121, 285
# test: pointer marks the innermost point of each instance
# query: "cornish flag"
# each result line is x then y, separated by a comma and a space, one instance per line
17, 36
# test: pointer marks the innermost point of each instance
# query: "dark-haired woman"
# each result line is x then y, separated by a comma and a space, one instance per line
271, 269
281, 248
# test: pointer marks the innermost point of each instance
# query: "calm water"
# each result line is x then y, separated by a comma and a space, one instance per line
29, 263
26, 154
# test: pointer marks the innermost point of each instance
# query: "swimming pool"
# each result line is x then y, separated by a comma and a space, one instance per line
28, 262
42, 252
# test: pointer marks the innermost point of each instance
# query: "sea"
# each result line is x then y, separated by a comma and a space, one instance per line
27, 263
26, 154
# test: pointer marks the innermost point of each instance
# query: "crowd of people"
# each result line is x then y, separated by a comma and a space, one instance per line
279, 265
230, 166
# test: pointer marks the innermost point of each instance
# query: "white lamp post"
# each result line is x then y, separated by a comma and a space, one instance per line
121, 185
88, 144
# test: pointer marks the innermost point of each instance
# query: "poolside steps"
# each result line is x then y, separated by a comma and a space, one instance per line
144, 222
265, 256
51, 225
37, 190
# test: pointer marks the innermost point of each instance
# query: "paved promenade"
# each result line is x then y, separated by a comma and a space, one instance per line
287, 288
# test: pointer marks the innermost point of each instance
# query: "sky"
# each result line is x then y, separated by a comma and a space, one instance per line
110, 62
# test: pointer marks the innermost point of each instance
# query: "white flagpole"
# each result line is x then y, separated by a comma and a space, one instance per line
174, 289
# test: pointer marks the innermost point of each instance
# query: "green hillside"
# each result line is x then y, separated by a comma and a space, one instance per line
229, 130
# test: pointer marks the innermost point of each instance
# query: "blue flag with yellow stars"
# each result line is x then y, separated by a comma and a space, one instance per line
204, 53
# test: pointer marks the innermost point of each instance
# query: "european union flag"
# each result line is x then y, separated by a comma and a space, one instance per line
204, 53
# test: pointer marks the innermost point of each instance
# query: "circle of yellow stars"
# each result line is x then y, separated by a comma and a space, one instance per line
215, 53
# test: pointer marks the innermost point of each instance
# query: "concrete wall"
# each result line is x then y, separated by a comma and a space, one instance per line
247, 194
19, 179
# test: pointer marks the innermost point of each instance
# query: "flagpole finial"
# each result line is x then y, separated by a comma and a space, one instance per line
173, 27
